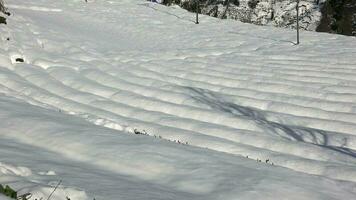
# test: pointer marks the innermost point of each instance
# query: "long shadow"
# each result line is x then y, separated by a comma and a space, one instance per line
296, 133
165, 12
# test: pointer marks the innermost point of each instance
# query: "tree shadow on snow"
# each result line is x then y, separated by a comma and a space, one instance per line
290, 132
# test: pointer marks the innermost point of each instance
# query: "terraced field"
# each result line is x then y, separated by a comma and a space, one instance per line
209, 99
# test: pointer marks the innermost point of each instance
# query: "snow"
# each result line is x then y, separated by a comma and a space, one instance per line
132, 100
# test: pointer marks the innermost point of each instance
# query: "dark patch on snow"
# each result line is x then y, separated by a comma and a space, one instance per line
289, 132
253, 4
2, 20
19, 60
338, 16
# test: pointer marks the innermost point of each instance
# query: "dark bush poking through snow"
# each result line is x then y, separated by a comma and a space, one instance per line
334, 16
20, 60
2, 7
2, 20
3, 10
7, 191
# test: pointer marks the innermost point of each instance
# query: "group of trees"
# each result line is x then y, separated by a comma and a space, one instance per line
235, 9
339, 16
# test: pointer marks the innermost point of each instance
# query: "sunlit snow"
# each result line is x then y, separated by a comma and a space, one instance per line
129, 99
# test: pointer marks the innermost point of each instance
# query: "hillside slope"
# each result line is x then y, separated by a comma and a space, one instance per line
132, 100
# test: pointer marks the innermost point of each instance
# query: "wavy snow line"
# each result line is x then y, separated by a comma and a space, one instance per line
34, 8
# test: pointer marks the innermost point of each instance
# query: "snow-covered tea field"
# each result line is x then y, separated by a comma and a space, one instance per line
131, 100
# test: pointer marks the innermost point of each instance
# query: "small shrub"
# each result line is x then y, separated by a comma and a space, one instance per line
2, 20
2, 7
137, 132
170, 2
20, 60
7, 191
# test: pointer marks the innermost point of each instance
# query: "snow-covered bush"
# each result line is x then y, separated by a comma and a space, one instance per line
1, 6
8, 191
336, 16
2, 20
3, 10
252, 4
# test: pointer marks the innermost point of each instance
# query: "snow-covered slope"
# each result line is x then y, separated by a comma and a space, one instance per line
222, 110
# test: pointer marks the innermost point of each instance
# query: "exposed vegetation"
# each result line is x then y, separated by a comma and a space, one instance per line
7, 191
2, 7
280, 13
252, 3
2, 20
339, 16
4, 11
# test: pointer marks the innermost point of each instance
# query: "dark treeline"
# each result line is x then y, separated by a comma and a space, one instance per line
339, 16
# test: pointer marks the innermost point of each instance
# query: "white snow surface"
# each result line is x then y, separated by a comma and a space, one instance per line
212, 100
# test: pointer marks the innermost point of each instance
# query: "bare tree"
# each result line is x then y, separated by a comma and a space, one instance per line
297, 7
272, 5
226, 3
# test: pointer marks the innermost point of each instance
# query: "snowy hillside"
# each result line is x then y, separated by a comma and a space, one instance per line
131, 100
